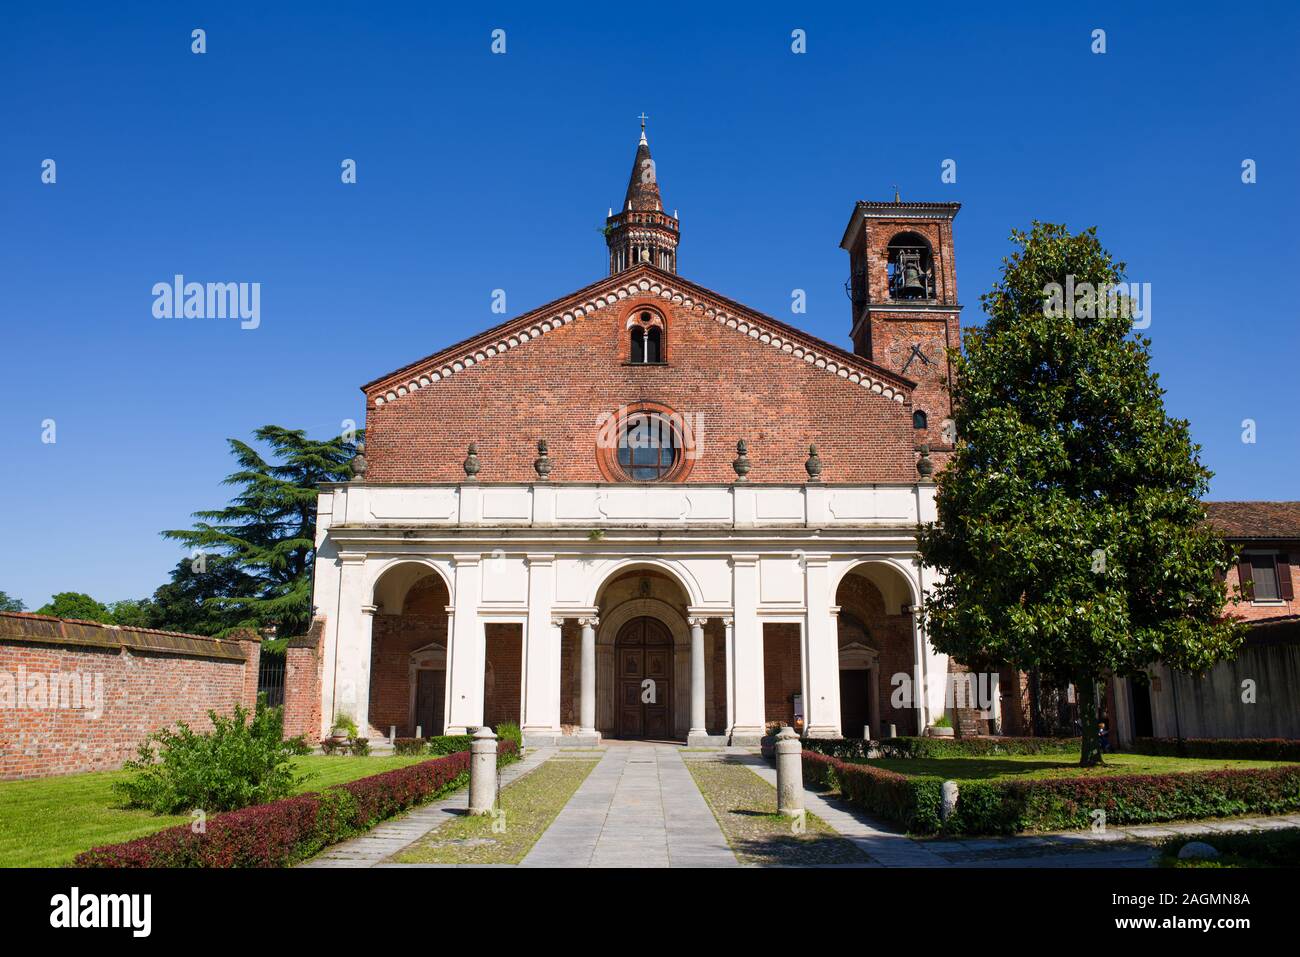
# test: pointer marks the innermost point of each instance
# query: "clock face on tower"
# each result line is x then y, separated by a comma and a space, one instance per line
914, 359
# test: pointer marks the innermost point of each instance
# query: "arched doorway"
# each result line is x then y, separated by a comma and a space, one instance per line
875, 639
408, 660
643, 664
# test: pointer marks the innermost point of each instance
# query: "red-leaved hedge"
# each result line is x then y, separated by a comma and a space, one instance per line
286, 831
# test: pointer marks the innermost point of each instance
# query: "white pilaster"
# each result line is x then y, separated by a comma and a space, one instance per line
541, 704
745, 668
821, 652
352, 665
467, 651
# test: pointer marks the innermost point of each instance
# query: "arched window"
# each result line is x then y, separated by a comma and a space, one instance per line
647, 338
911, 267
920, 420
649, 448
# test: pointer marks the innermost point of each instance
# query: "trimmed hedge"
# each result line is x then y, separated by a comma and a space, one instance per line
1047, 804
1242, 749
283, 832
450, 743
922, 747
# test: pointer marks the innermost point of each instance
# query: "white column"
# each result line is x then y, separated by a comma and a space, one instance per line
352, 664
697, 678
466, 651
541, 704
821, 653
746, 644
587, 706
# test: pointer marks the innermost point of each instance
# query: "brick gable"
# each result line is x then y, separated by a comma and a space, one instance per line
742, 374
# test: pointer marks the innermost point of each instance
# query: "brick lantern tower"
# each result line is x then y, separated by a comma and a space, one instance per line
641, 232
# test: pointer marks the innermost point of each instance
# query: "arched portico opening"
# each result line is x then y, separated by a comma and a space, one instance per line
408, 651
876, 642
644, 677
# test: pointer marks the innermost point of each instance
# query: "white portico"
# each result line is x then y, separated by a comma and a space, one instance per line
684, 612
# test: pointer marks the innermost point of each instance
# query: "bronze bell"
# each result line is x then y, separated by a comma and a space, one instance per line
913, 283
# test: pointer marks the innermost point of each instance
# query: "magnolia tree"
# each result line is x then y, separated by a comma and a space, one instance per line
1071, 535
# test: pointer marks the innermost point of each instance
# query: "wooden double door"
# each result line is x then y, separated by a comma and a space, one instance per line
643, 663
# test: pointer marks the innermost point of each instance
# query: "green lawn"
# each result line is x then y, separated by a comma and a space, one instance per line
527, 808
47, 822
1054, 766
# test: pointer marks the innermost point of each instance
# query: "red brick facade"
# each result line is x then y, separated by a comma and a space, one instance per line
149, 680
502, 674
560, 385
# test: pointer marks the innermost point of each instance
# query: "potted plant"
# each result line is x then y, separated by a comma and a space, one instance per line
345, 729
941, 727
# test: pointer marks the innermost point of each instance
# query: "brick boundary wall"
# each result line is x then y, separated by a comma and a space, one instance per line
303, 670
56, 673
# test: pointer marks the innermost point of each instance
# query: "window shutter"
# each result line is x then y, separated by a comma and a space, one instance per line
1245, 578
1284, 577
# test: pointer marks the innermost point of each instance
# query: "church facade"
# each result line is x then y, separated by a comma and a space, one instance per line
645, 510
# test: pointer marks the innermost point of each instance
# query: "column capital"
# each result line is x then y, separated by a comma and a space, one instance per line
589, 621
540, 560
697, 621
744, 561
728, 621
466, 559
369, 609
557, 621
352, 558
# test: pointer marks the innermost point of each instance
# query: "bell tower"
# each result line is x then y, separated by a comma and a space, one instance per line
903, 288
641, 232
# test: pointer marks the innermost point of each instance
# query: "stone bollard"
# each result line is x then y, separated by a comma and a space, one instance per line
419, 731
893, 730
482, 772
789, 773
392, 734
866, 732
948, 800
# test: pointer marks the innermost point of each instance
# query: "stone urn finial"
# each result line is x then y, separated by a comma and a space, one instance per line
741, 464
813, 465
542, 464
471, 465
924, 467
359, 463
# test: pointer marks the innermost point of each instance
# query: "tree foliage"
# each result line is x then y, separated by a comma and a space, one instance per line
1070, 531
260, 546
8, 603
75, 604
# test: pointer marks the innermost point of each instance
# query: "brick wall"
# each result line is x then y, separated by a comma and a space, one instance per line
303, 668
148, 680
503, 673
782, 671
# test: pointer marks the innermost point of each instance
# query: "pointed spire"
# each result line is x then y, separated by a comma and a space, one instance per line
643, 184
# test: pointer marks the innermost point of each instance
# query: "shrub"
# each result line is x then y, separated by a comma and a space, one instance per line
238, 763
449, 743
289, 830
509, 731
1243, 749
409, 745
298, 746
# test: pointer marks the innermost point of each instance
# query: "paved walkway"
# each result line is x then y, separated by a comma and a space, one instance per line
639, 807
386, 839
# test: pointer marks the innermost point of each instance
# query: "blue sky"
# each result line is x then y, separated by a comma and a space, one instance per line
479, 171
